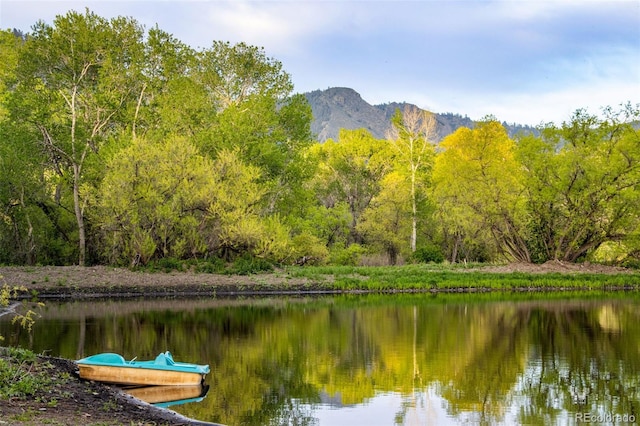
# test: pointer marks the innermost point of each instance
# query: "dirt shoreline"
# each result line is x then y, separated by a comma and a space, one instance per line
103, 281
74, 282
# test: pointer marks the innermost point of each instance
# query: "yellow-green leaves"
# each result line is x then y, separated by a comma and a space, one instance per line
583, 184
386, 223
149, 199
9, 47
350, 171
234, 213
165, 199
478, 187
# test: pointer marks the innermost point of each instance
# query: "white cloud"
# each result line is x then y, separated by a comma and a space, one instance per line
521, 60
280, 27
553, 106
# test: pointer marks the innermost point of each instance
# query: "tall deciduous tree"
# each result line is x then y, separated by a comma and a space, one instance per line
152, 201
32, 229
12, 160
350, 171
76, 77
412, 136
583, 183
257, 116
386, 223
170, 102
478, 186
237, 72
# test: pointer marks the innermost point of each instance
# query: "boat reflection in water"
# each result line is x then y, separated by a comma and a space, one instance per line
166, 396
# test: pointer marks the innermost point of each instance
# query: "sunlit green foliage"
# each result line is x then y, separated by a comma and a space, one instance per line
350, 172
148, 199
33, 227
235, 224
386, 223
89, 105
9, 53
583, 184
255, 115
478, 190
75, 79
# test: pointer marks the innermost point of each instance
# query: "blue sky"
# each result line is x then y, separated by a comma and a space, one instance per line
522, 61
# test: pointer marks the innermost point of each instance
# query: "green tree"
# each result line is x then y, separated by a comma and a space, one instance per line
412, 136
350, 171
583, 183
75, 79
237, 72
84, 88
386, 222
165, 199
12, 162
478, 186
23, 226
330, 224
256, 115
170, 101
152, 201
235, 223
31, 228
11, 44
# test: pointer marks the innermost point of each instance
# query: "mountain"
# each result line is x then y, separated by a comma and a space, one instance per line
343, 108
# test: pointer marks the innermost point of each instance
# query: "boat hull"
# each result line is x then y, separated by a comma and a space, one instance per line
162, 371
139, 376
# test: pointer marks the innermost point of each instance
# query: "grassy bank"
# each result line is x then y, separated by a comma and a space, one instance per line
460, 278
74, 282
19, 379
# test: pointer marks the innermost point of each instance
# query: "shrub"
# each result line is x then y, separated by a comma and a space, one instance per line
309, 250
247, 265
428, 253
349, 256
165, 264
213, 265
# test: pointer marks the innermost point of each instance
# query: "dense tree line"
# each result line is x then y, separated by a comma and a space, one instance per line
125, 146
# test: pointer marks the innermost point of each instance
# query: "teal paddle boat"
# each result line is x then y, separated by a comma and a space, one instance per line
162, 371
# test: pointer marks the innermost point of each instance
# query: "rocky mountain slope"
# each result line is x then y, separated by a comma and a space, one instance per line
343, 108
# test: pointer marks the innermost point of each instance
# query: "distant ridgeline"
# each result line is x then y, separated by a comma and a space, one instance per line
343, 108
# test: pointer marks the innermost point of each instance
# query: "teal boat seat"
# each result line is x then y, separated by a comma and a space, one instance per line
108, 358
164, 359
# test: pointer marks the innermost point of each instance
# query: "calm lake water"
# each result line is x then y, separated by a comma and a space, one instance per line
376, 360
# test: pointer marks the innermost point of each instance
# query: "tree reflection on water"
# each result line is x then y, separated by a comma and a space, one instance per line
407, 357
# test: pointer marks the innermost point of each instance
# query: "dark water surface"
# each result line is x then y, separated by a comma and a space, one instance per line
376, 360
